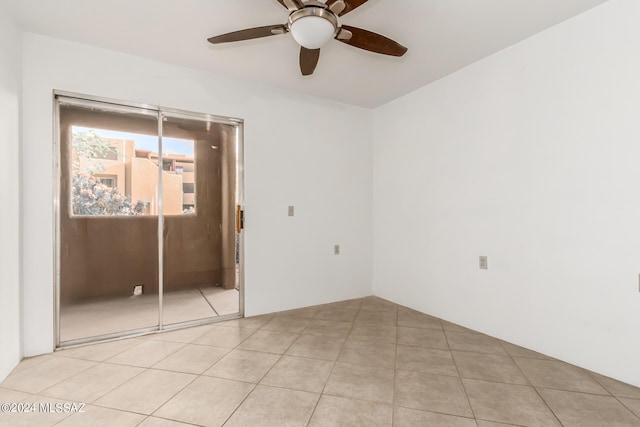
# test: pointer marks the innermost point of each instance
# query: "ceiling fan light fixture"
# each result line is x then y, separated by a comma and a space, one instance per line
312, 27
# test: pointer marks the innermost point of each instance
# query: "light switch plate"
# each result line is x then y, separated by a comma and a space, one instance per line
336, 249
291, 210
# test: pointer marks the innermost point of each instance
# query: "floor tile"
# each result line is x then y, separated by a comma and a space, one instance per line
477, 343
335, 411
617, 388
227, 337
185, 335
146, 392
349, 357
36, 416
327, 328
146, 354
417, 390
508, 403
268, 342
419, 337
12, 396
241, 365
488, 367
254, 322
305, 312
378, 304
482, 423
352, 304
558, 375
161, 422
299, 373
31, 362
453, 327
336, 315
192, 359
374, 332
93, 383
403, 417
206, 401
385, 317
516, 351
286, 324
270, 406
361, 382
95, 416
368, 354
46, 374
426, 360
632, 404
414, 319
586, 410
99, 352
316, 346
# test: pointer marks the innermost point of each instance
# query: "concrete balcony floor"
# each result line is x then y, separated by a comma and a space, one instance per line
111, 315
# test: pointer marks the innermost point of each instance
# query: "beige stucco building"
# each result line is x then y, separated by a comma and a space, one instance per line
134, 173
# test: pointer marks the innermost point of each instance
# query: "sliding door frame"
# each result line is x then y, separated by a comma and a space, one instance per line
70, 98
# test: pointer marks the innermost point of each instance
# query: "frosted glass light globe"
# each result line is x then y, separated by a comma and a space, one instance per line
312, 32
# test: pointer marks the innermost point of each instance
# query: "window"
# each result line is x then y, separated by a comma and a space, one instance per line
115, 171
109, 181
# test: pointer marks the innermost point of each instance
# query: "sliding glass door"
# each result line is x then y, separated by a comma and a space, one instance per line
146, 216
199, 229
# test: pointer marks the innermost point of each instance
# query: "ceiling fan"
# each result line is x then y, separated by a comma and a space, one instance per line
312, 24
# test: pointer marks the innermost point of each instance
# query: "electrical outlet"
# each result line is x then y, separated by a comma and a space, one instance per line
291, 210
137, 290
483, 263
336, 249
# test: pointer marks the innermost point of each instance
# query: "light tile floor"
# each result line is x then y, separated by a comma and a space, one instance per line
364, 362
111, 315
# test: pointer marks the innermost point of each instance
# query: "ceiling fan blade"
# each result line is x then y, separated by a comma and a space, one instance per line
308, 60
350, 5
248, 34
292, 5
372, 42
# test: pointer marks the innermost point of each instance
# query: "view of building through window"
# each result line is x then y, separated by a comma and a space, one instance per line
116, 173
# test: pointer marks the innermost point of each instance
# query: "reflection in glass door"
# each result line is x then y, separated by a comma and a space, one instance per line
146, 220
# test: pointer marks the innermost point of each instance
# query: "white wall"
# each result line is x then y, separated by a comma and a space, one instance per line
303, 151
10, 75
531, 157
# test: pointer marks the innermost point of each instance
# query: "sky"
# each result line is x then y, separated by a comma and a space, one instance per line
147, 142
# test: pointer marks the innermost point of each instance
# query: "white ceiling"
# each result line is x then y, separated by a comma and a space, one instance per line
442, 36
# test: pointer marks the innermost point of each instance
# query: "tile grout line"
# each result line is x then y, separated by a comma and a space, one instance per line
198, 376
61, 381
335, 362
208, 302
626, 407
466, 394
531, 384
272, 316
617, 398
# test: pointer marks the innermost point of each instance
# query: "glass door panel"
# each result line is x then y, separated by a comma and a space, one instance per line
108, 220
199, 181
